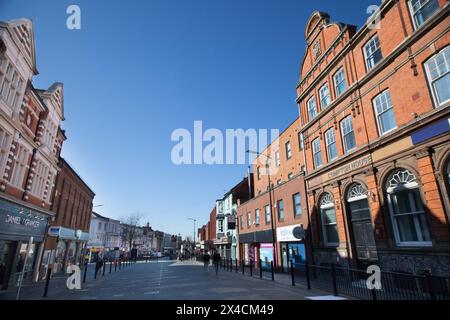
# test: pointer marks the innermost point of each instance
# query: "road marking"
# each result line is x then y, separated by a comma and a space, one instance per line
323, 298
152, 292
118, 295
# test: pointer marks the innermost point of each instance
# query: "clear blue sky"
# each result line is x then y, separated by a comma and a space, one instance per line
137, 70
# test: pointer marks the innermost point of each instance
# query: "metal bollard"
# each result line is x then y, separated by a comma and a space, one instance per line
47, 281
272, 269
110, 267
85, 272
260, 269
104, 268
115, 266
292, 273
243, 266
251, 268
308, 279
237, 266
333, 277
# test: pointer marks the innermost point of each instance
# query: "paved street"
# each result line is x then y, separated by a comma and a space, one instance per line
170, 280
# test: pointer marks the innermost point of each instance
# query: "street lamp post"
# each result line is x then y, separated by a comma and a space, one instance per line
274, 241
193, 248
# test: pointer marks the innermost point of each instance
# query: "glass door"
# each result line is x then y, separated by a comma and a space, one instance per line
6, 254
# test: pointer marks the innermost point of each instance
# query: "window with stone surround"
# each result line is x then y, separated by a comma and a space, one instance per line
312, 110
407, 210
438, 74
348, 134
20, 166
340, 84
39, 178
12, 84
280, 209
325, 98
5, 145
372, 52
328, 220
330, 142
317, 153
257, 217
384, 112
422, 10
268, 214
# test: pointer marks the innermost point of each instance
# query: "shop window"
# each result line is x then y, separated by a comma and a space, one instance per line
438, 74
348, 134
328, 220
372, 52
407, 209
384, 112
422, 10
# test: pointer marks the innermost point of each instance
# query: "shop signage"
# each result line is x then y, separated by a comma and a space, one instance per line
21, 222
431, 131
290, 233
63, 233
354, 165
266, 252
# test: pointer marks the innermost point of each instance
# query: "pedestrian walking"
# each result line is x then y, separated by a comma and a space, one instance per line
206, 259
216, 261
98, 266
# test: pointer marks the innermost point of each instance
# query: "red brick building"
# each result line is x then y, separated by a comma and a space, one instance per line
260, 225
375, 119
72, 204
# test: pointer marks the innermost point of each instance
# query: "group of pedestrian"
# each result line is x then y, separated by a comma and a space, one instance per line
216, 261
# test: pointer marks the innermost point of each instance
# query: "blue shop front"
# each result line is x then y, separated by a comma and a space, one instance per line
22, 231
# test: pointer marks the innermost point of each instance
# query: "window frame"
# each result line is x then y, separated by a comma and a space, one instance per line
315, 152
268, 214
296, 214
413, 14
323, 225
344, 80
327, 144
277, 159
257, 217
344, 135
280, 219
431, 82
322, 98
308, 106
377, 115
288, 148
372, 54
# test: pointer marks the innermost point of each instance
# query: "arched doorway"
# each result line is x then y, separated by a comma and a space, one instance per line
358, 213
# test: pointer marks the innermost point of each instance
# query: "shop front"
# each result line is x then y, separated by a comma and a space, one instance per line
292, 246
251, 243
64, 246
22, 231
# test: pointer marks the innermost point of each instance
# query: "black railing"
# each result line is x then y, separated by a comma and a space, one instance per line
354, 283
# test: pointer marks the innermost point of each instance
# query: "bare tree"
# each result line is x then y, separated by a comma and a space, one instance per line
130, 225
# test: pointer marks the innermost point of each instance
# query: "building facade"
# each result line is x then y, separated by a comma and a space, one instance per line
98, 231
272, 224
68, 235
30, 142
226, 215
375, 120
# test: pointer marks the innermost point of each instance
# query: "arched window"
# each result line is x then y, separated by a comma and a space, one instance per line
407, 210
328, 219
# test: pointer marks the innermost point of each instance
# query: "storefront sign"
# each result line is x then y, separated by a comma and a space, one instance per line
21, 222
63, 233
290, 233
360, 163
431, 131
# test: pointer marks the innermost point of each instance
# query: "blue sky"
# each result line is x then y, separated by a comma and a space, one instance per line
139, 69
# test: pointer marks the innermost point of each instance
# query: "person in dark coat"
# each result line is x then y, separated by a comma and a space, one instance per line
98, 265
206, 259
216, 261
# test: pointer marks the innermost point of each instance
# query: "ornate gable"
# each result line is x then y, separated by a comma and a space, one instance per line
320, 36
22, 30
